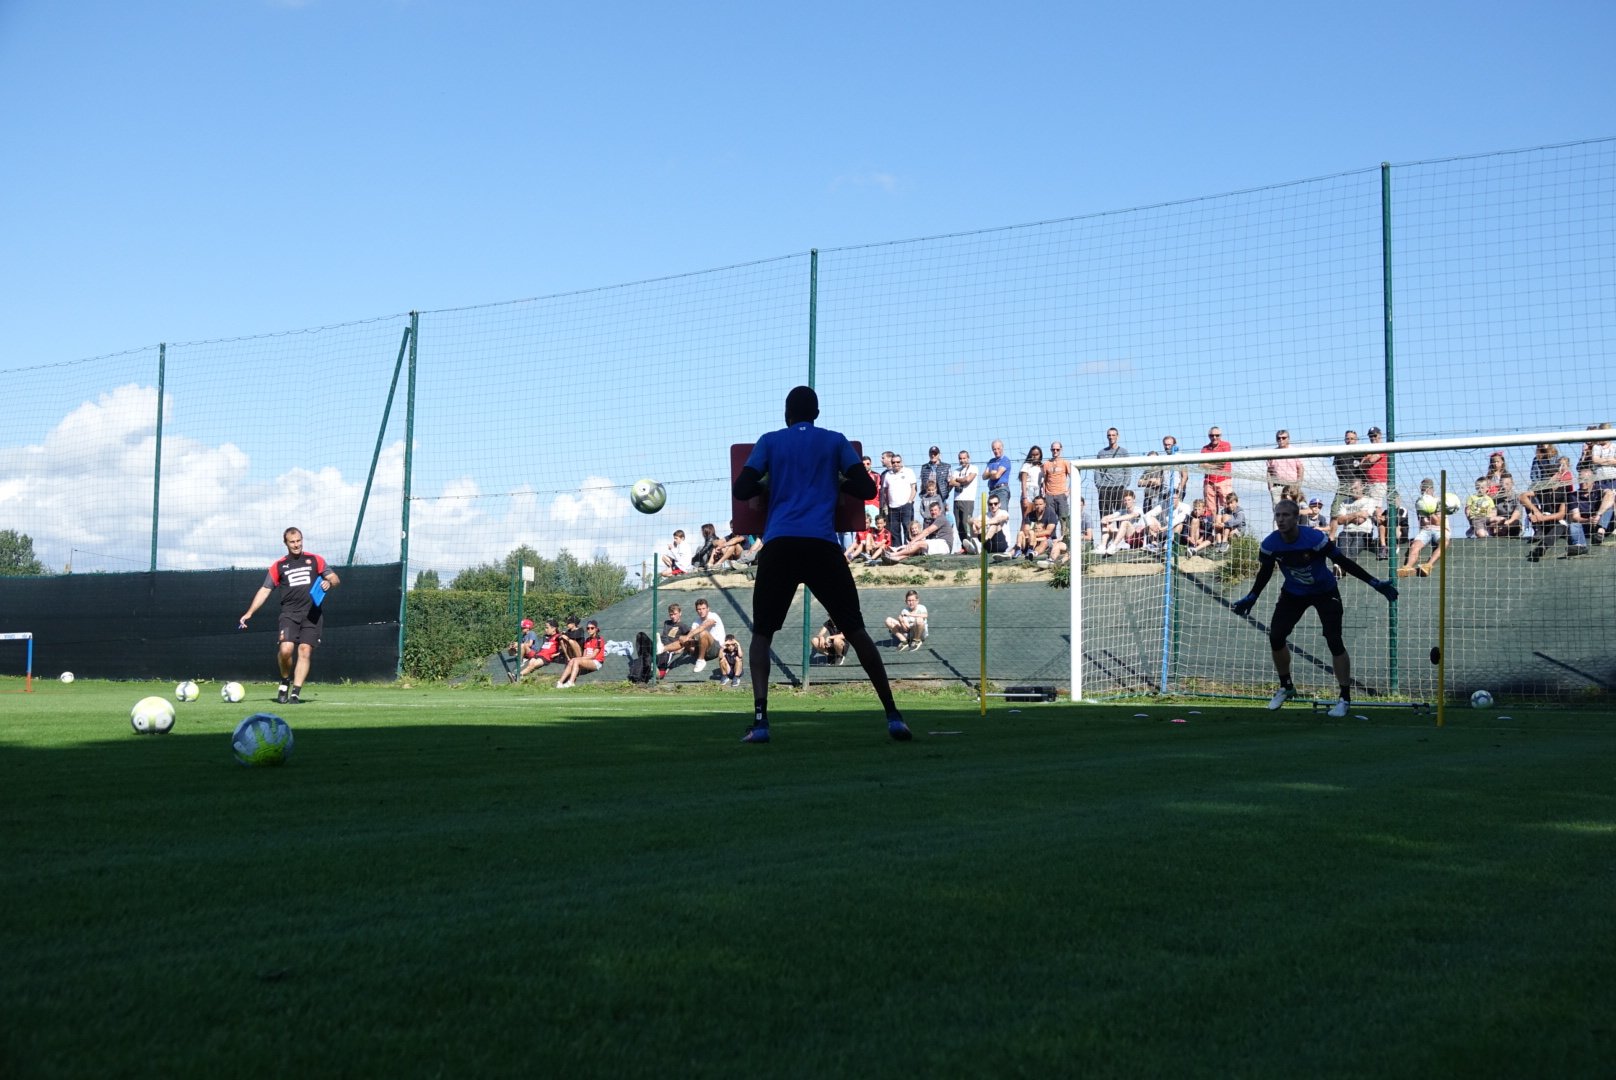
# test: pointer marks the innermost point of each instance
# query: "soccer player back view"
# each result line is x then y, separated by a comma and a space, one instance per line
1303, 556
803, 469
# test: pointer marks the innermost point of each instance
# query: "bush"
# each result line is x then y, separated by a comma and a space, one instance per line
1241, 562
448, 628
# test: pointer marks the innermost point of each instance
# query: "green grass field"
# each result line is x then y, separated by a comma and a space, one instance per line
504, 881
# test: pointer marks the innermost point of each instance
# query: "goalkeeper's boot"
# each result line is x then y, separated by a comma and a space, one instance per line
1339, 709
1281, 696
898, 729
759, 731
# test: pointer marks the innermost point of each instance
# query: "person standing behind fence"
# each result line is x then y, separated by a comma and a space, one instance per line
997, 474
803, 469
898, 492
298, 573
1057, 487
964, 484
1111, 483
1282, 472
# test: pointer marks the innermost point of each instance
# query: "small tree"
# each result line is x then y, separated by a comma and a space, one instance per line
427, 579
17, 555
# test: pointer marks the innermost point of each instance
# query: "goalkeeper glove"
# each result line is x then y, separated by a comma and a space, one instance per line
1244, 605
1386, 589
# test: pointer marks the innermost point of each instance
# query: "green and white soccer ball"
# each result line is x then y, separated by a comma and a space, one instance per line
1481, 699
187, 691
1453, 502
262, 739
1428, 505
648, 496
152, 716
232, 692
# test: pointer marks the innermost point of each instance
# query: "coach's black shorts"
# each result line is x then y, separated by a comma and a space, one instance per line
1288, 612
301, 628
789, 561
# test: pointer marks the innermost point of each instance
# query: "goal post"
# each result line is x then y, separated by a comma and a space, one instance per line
27, 638
1520, 593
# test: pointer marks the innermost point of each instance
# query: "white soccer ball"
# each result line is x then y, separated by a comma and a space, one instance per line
1428, 505
262, 739
648, 496
152, 716
1453, 502
187, 691
1481, 699
67, 676
232, 692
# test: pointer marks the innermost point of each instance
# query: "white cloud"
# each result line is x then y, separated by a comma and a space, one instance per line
84, 494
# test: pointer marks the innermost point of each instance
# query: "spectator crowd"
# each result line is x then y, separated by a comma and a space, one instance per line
1034, 509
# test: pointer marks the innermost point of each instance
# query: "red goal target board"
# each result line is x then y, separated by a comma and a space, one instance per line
750, 515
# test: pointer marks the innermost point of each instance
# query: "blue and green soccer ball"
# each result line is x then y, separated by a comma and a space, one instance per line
262, 739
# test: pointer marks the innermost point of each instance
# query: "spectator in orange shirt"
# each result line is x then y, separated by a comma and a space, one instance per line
1219, 480
1058, 486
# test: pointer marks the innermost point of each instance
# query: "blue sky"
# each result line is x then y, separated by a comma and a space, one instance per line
190, 171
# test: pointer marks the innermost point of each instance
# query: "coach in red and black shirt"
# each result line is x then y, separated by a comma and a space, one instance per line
304, 578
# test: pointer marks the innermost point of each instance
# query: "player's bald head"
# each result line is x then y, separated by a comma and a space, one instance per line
802, 404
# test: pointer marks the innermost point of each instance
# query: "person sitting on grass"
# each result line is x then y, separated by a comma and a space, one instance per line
869, 545
1037, 537
703, 637
594, 653
909, 626
730, 663
935, 538
831, 643
548, 652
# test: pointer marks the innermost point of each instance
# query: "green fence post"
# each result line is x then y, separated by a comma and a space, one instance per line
409, 461
157, 466
1391, 407
375, 457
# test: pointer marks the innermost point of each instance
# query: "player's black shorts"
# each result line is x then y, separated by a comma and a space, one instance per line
301, 627
1288, 612
790, 561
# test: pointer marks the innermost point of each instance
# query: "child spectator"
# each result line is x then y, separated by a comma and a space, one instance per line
1479, 510
909, 626
730, 664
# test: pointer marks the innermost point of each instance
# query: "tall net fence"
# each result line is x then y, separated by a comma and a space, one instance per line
1504, 544
1434, 298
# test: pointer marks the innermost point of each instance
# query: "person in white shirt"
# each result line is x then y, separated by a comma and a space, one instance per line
964, 484
705, 636
676, 556
898, 495
909, 625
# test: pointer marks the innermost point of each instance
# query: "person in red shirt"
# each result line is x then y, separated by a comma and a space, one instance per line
305, 579
1219, 474
872, 543
548, 652
1376, 469
593, 655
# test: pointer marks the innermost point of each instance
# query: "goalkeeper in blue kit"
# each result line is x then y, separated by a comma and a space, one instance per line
1303, 556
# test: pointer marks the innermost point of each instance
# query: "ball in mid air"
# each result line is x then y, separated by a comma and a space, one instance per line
232, 692
262, 739
648, 496
152, 716
1481, 699
187, 691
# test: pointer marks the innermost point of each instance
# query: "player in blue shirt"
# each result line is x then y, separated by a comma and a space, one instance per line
804, 469
1303, 556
